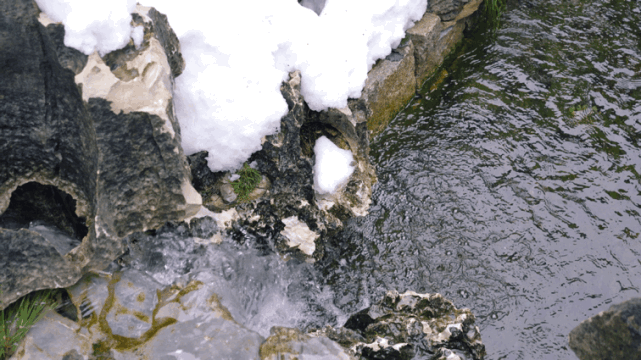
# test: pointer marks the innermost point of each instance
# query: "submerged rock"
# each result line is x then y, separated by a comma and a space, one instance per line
292, 344
411, 326
130, 316
611, 334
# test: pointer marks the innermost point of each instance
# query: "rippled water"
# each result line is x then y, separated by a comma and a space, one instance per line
513, 187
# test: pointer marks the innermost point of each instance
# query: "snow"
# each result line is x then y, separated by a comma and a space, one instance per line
333, 166
238, 53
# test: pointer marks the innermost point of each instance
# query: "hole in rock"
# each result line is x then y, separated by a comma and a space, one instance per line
315, 5
48, 211
311, 131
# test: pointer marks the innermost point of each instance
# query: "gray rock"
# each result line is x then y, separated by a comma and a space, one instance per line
54, 338
69, 58
47, 134
227, 191
435, 37
98, 159
389, 87
612, 334
409, 326
30, 255
446, 9
290, 344
185, 322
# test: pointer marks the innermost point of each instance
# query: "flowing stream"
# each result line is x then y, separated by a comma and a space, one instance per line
512, 185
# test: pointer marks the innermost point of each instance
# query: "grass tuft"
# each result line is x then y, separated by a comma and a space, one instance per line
493, 11
18, 318
249, 179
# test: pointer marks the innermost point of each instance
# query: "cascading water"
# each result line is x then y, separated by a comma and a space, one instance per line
511, 186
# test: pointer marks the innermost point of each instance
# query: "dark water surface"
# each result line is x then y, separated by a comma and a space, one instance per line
514, 187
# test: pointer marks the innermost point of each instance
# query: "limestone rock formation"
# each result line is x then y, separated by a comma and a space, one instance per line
122, 316
289, 344
409, 326
90, 145
287, 190
612, 334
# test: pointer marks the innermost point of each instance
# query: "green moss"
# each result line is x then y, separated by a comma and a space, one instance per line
249, 179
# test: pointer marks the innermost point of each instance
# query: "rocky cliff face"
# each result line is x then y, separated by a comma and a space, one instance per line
86, 148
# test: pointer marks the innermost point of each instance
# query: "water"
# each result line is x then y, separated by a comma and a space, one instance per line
513, 187
258, 287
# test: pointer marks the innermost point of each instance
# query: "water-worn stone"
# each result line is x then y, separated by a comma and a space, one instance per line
409, 326
92, 150
178, 322
612, 334
291, 344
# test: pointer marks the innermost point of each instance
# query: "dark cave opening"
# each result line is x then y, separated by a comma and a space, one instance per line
34, 202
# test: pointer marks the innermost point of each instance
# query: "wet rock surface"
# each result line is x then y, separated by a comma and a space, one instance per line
612, 334
90, 146
410, 326
287, 191
129, 315
289, 344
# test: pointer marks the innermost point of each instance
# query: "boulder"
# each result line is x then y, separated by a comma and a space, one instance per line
90, 146
409, 326
611, 334
286, 160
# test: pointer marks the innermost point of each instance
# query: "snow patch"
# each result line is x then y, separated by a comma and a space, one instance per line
333, 166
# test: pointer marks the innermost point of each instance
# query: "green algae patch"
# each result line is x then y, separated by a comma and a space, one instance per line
111, 341
279, 343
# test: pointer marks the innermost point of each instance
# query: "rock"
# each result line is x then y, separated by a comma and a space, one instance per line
47, 138
290, 344
90, 146
53, 338
611, 334
130, 316
409, 326
389, 87
227, 191
286, 159
299, 235
435, 37
287, 190
25, 256
447, 9
69, 58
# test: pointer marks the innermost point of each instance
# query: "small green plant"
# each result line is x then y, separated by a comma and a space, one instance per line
582, 114
18, 318
249, 179
493, 11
